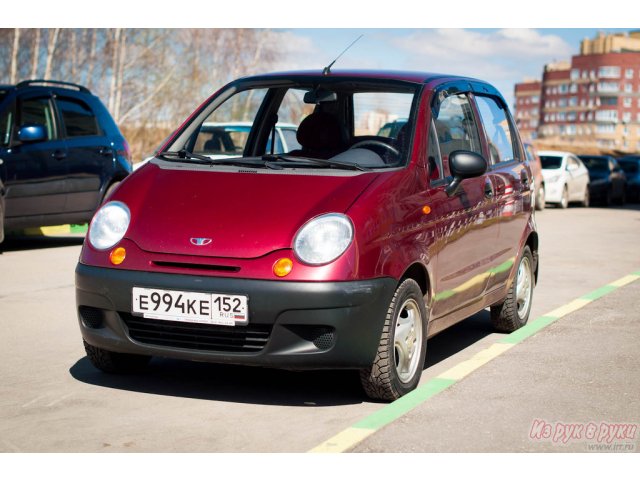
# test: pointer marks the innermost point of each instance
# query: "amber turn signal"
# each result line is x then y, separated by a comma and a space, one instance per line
282, 267
426, 209
117, 256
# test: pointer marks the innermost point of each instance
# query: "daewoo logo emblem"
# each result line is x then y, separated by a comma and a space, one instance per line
200, 242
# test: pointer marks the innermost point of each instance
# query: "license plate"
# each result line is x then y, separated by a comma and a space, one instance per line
193, 307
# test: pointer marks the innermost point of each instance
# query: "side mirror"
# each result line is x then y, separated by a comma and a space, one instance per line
464, 164
32, 132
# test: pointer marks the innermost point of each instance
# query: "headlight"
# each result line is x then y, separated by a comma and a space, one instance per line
323, 239
109, 225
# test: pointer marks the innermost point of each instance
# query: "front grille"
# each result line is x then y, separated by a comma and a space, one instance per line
194, 336
198, 266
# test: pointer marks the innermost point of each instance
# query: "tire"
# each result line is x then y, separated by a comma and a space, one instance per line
585, 199
540, 198
564, 201
513, 313
110, 190
112, 362
396, 369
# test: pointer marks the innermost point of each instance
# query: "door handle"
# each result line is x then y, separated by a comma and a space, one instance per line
59, 155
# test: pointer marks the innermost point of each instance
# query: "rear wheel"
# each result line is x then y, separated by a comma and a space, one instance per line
540, 198
113, 362
564, 200
585, 199
398, 364
513, 313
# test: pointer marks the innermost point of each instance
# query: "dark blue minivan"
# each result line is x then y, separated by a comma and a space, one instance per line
61, 154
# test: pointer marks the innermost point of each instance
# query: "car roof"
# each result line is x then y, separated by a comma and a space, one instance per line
415, 77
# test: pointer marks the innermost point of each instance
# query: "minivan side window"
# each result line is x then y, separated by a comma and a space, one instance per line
498, 130
37, 110
456, 126
79, 120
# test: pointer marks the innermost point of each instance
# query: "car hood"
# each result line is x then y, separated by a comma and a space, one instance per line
244, 215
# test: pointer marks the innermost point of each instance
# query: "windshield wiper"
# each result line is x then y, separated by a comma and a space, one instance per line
204, 160
318, 161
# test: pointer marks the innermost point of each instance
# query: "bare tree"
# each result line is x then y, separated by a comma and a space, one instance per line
51, 48
35, 53
14, 56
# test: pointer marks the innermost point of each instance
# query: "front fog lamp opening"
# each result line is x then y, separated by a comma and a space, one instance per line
323, 239
109, 225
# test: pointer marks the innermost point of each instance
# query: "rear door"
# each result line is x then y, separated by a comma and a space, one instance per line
511, 178
465, 233
90, 159
36, 173
578, 178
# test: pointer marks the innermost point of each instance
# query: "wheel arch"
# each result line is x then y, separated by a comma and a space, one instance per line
532, 243
419, 273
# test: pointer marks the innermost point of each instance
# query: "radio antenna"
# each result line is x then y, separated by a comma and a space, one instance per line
327, 69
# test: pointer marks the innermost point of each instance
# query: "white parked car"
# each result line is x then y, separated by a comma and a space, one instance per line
565, 177
220, 140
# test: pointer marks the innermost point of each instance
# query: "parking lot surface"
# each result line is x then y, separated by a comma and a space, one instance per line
53, 400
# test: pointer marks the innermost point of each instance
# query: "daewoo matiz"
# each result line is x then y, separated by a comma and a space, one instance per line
348, 252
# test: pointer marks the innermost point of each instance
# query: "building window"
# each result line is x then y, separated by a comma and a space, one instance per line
627, 102
585, 73
583, 102
593, 74
609, 72
562, 116
628, 87
571, 116
562, 102
570, 130
564, 88
611, 101
546, 117
573, 88
590, 116
582, 117
575, 74
608, 87
535, 98
607, 116
606, 129
573, 101
628, 73
626, 117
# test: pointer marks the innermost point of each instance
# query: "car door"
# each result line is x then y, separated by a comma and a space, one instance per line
618, 179
464, 232
90, 159
512, 181
36, 172
578, 178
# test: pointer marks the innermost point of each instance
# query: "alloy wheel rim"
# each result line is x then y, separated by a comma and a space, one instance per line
407, 340
524, 287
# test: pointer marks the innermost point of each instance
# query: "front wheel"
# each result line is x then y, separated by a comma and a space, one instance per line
513, 313
564, 201
113, 362
398, 364
540, 198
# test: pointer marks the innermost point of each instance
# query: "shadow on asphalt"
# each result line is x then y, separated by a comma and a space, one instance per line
17, 243
238, 384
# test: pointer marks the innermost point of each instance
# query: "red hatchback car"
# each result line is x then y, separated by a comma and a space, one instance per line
348, 252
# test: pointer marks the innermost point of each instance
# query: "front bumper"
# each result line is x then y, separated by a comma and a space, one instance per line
553, 192
296, 325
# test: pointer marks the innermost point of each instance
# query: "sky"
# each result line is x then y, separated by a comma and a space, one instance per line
501, 57
421, 35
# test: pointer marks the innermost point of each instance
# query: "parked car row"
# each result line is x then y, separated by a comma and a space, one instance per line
583, 179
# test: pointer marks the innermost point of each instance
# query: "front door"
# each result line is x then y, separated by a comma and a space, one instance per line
35, 172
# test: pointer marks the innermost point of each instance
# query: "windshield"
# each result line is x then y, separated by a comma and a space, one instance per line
595, 163
550, 162
629, 166
357, 122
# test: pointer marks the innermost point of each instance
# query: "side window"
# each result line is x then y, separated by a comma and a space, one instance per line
497, 128
291, 112
434, 159
456, 127
6, 124
37, 110
573, 163
78, 119
226, 130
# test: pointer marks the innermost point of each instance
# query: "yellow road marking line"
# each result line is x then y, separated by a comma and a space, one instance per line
570, 307
465, 367
343, 440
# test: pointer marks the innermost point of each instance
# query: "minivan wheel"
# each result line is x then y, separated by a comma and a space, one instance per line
399, 361
112, 362
513, 313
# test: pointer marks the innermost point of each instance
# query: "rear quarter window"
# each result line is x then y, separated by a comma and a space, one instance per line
78, 118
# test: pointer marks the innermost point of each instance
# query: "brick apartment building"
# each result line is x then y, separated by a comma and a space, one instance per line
592, 102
